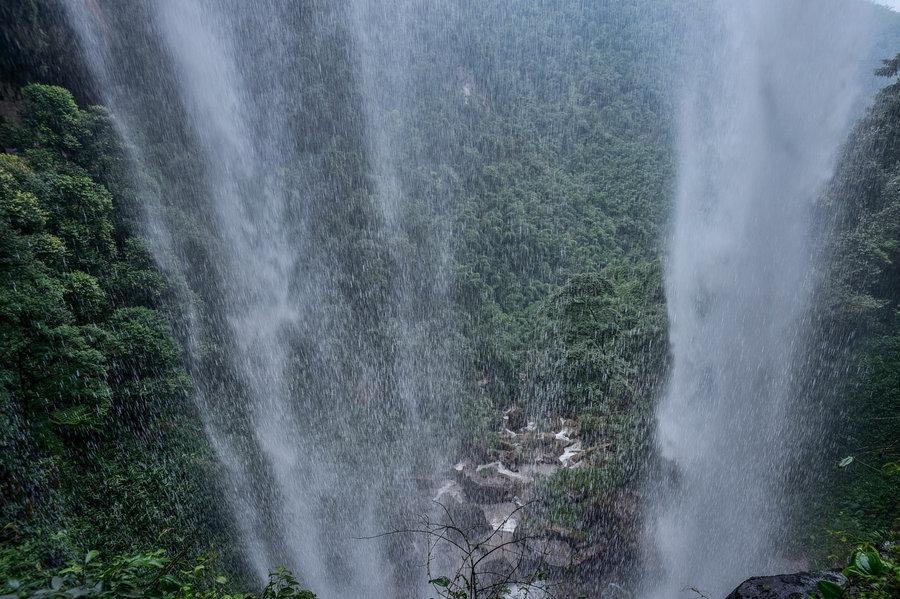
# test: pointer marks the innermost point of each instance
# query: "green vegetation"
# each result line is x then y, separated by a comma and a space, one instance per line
536, 224
95, 450
870, 575
150, 575
552, 182
605, 340
860, 304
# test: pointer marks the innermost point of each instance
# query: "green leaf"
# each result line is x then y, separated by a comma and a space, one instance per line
56, 583
875, 564
851, 569
91, 555
443, 581
830, 590
169, 583
861, 562
845, 462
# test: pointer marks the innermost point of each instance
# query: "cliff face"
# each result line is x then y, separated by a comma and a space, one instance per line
37, 46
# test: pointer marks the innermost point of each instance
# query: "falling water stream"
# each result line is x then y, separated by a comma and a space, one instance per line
318, 355
764, 107
324, 347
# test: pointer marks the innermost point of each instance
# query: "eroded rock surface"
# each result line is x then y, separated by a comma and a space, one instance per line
784, 586
502, 485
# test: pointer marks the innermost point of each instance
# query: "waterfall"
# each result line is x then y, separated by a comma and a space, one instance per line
269, 141
304, 222
766, 99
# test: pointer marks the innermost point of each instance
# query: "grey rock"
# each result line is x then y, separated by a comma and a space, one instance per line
784, 586
486, 486
516, 419
470, 519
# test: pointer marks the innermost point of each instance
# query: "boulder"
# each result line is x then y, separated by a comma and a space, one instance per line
448, 492
550, 552
491, 483
470, 519
487, 489
540, 438
563, 533
784, 586
503, 516
595, 554
507, 453
513, 458
515, 419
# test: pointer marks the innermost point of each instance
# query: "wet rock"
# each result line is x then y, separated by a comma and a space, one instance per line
507, 453
487, 488
551, 552
499, 468
503, 516
568, 535
595, 554
511, 458
540, 438
515, 419
449, 491
470, 519
571, 455
563, 438
491, 483
784, 586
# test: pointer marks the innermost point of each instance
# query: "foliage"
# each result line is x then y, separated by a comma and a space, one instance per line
577, 497
606, 342
858, 328
538, 210
283, 585
548, 187
870, 575
52, 118
151, 575
92, 390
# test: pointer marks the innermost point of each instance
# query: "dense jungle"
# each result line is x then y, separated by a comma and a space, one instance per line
319, 289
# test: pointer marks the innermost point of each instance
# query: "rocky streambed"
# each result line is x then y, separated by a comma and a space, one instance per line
504, 530
495, 526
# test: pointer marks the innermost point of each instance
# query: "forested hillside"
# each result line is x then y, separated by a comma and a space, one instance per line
96, 450
548, 134
859, 309
530, 163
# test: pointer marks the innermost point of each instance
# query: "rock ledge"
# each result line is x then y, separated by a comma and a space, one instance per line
784, 586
